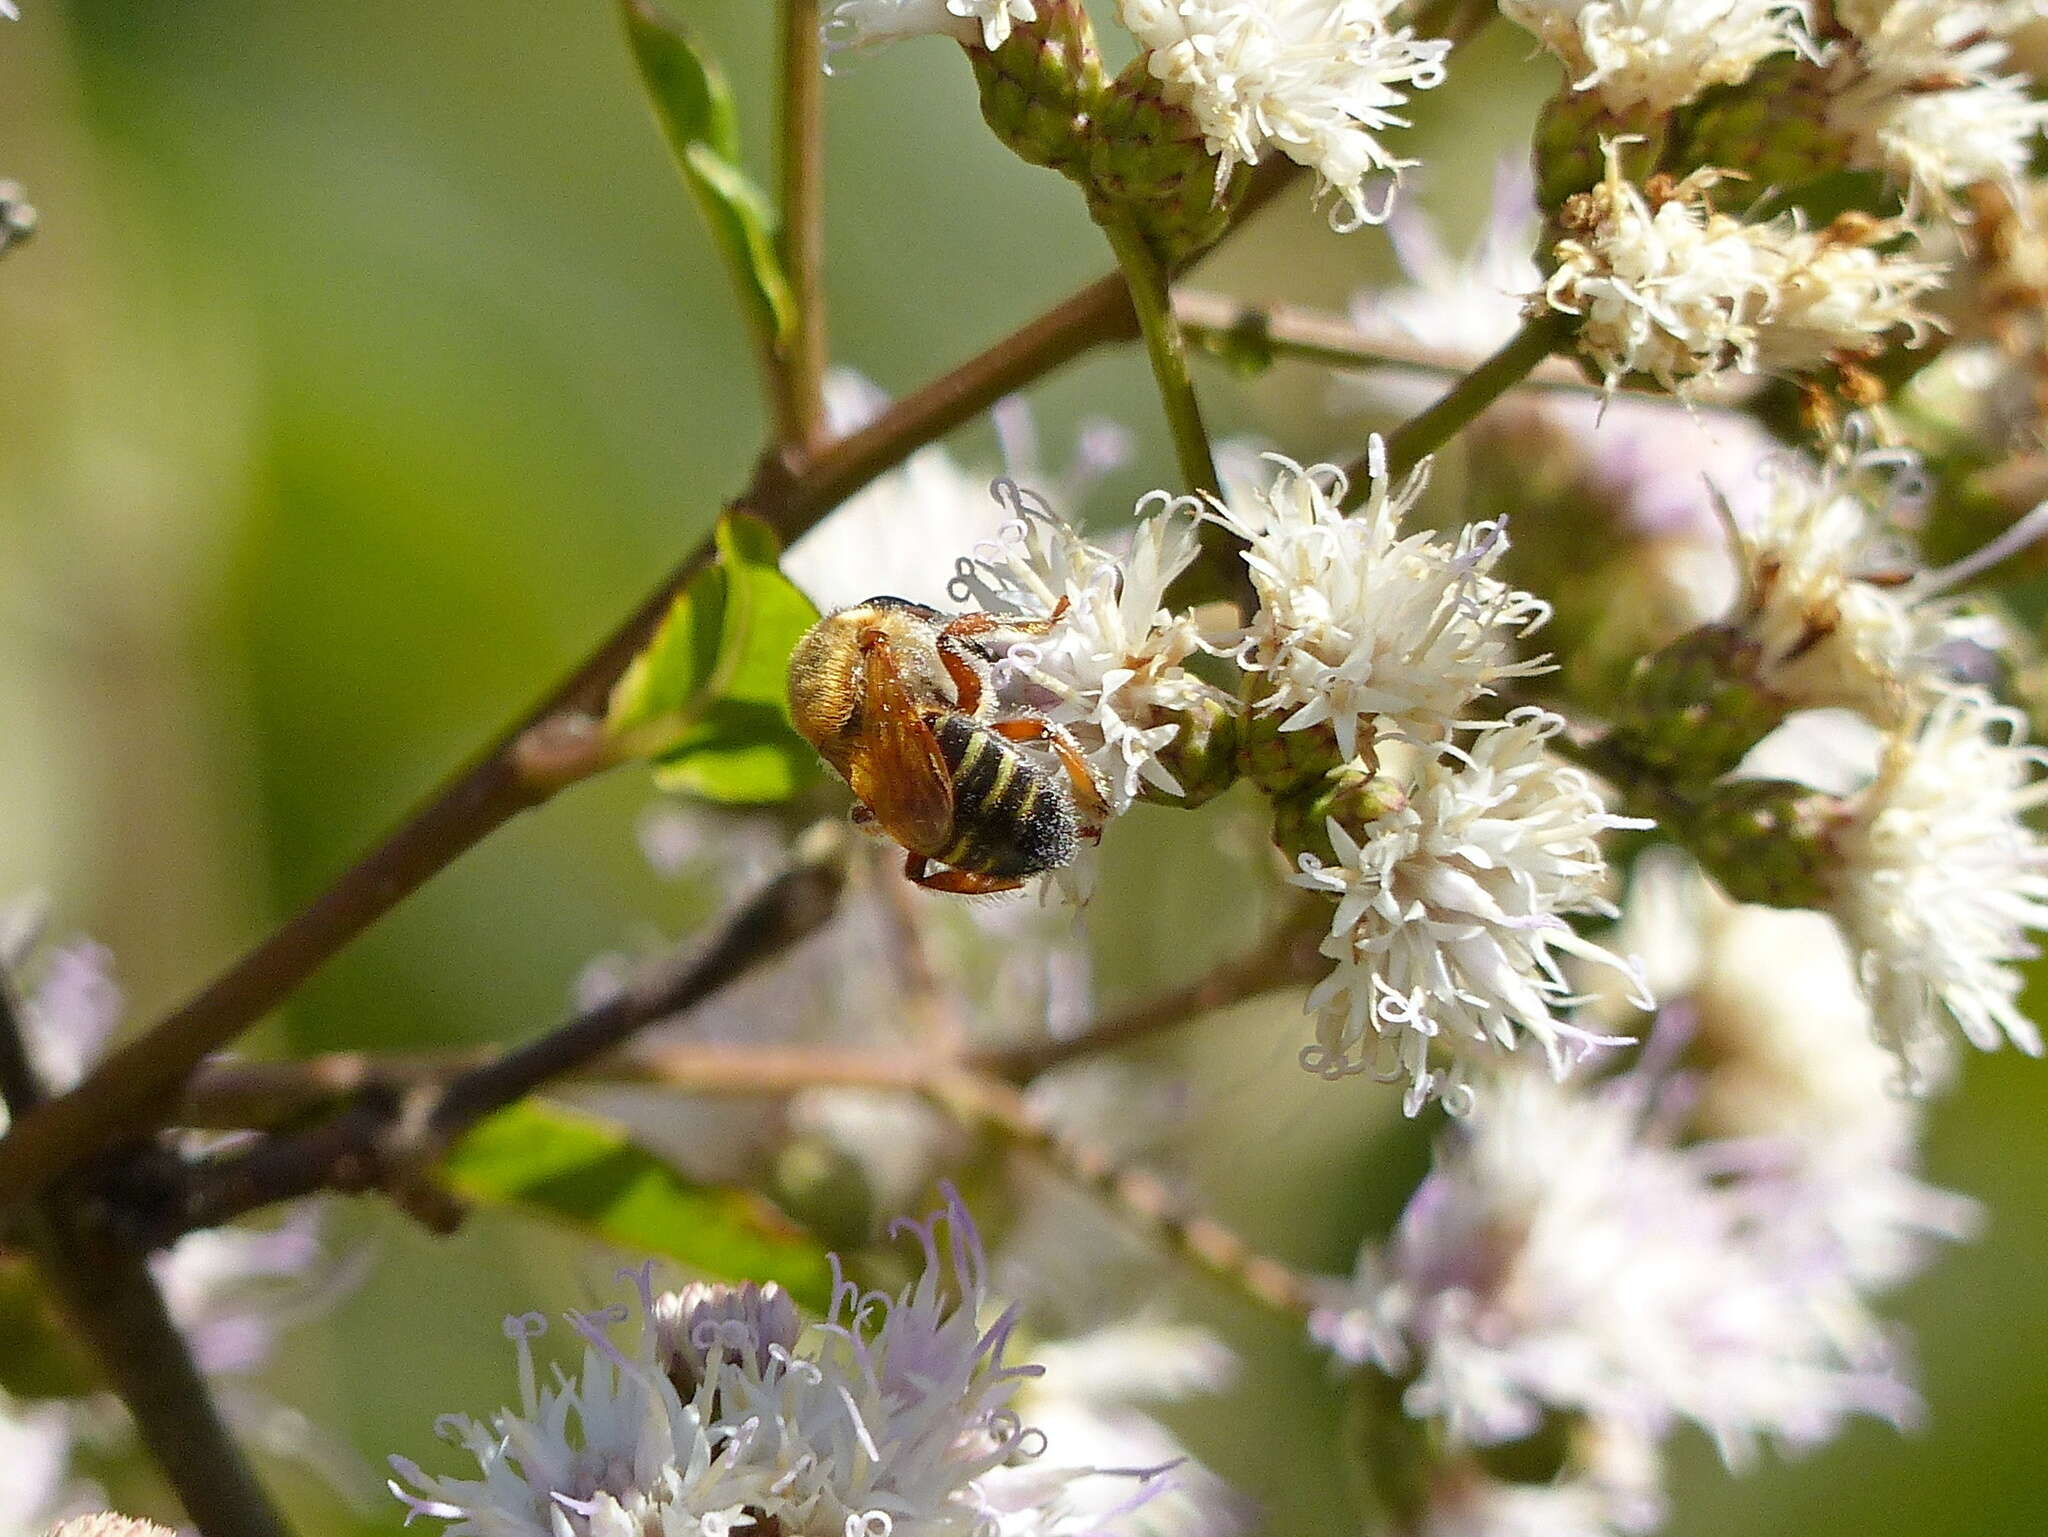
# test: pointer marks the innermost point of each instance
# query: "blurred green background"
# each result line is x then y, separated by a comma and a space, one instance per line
370, 362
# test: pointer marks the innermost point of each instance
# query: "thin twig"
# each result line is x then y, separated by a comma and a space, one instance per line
102, 1284
1423, 434
1168, 355
395, 1126
1285, 958
801, 374
1223, 325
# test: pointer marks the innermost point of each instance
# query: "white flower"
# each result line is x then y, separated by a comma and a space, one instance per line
1563, 1255
1451, 915
1826, 596
1939, 878
1367, 629
1111, 671
1925, 97
888, 1418
1317, 80
861, 23
1673, 289
1660, 54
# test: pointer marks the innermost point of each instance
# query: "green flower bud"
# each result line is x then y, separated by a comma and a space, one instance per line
1693, 710
1351, 795
1041, 90
1148, 161
1764, 840
1773, 127
1204, 757
1570, 145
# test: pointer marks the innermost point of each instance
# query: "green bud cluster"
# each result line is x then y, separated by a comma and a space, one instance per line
1136, 155
1351, 795
1694, 709
1203, 756
1763, 840
1040, 90
1148, 162
1569, 148
1773, 127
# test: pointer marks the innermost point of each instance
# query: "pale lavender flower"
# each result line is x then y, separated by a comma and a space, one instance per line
896, 1415
865, 23
38, 1490
1566, 1254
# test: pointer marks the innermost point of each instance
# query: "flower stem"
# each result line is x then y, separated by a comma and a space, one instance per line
1422, 435
801, 367
1166, 351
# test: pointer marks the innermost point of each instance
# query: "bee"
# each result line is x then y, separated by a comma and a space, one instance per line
899, 699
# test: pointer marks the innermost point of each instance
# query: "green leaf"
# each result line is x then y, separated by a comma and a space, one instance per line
707, 699
590, 1173
695, 111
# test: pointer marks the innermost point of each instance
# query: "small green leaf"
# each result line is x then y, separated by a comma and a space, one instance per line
706, 700
695, 111
588, 1172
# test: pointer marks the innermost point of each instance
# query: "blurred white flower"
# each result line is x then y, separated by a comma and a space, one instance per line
1367, 629
1939, 879
1450, 925
1660, 54
861, 23
902, 534
1090, 1408
1612, 1484
1564, 1255
1317, 80
894, 1416
1828, 597
1111, 671
35, 1453
1927, 96
1665, 285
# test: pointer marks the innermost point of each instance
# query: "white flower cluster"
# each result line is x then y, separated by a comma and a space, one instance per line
1112, 671
1569, 1254
1828, 598
1660, 54
724, 1414
1451, 915
1928, 96
1665, 285
1316, 80
1941, 879
1366, 628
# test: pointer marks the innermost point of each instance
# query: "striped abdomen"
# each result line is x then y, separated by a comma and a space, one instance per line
1011, 816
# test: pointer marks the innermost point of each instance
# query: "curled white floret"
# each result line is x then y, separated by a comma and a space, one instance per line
863, 23
1317, 80
1828, 597
1940, 881
1660, 54
1566, 1254
1111, 670
1665, 285
1451, 917
1366, 628
1929, 96
891, 1417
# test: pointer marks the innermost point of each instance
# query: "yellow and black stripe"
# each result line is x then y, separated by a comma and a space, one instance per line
1011, 816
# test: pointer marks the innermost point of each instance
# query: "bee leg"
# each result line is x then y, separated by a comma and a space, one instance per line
968, 625
1087, 788
961, 668
965, 882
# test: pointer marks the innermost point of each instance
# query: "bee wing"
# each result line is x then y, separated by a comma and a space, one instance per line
898, 770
